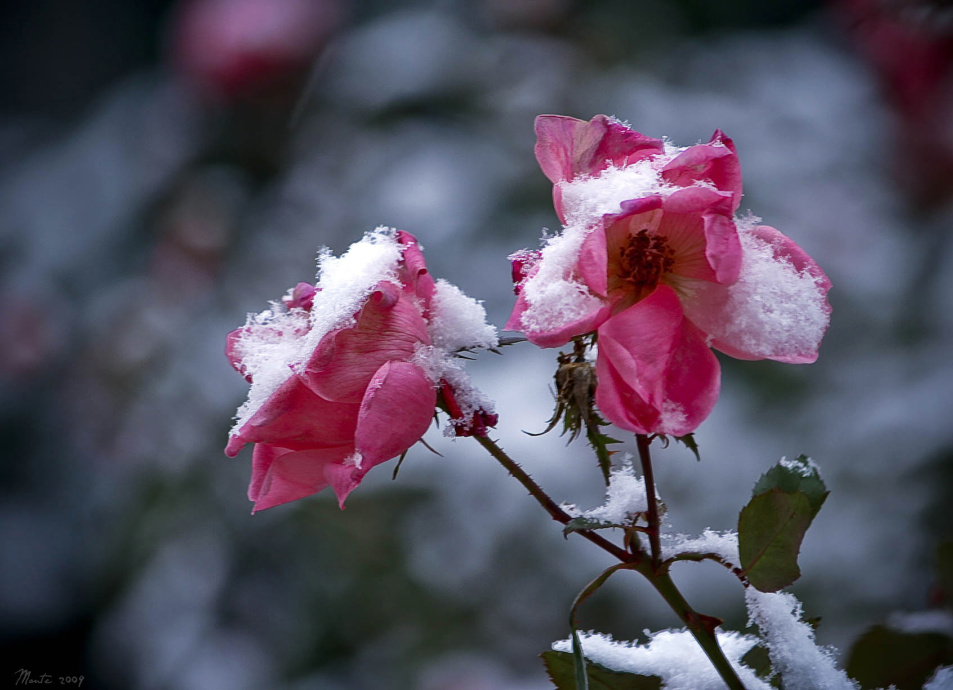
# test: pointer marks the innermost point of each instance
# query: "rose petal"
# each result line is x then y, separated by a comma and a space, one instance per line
656, 375
567, 147
777, 309
715, 162
232, 352
389, 327
396, 411
280, 476
700, 219
294, 417
413, 269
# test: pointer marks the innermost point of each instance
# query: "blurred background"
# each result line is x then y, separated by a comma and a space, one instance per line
167, 167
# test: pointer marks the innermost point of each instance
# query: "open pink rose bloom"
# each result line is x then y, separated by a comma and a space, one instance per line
654, 261
345, 374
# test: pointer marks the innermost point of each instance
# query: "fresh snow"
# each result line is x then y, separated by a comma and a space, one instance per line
625, 496
790, 642
673, 655
274, 343
722, 544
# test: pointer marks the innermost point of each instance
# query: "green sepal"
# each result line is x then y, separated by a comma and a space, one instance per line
560, 668
400, 462
688, 440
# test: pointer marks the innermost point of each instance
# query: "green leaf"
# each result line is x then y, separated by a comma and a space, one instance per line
770, 530
581, 523
882, 657
759, 660
559, 667
688, 440
798, 475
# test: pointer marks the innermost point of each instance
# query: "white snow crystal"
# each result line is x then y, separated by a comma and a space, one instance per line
790, 643
673, 655
805, 467
458, 321
722, 544
586, 199
773, 310
625, 496
275, 343
941, 680
554, 296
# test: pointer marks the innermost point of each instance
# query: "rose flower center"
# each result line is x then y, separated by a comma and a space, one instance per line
644, 259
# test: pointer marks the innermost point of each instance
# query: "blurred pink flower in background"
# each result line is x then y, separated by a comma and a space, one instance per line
345, 374
240, 48
652, 260
909, 45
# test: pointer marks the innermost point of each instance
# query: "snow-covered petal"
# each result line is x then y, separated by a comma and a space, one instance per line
777, 309
388, 328
715, 162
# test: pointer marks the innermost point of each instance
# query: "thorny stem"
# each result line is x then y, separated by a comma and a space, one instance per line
548, 504
702, 627
643, 441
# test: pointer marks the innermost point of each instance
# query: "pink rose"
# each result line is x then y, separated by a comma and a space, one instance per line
652, 260
345, 375
239, 49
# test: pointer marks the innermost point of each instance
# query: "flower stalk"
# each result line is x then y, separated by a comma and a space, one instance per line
702, 627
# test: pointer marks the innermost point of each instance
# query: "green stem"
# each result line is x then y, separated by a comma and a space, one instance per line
654, 530
700, 626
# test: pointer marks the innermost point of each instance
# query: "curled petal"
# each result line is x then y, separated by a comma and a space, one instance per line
301, 296
414, 274
396, 411
524, 265
294, 417
715, 162
232, 352
591, 266
389, 327
655, 373
280, 475
540, 333
703, 214
567, 147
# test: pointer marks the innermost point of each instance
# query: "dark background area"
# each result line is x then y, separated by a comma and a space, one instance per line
167, 167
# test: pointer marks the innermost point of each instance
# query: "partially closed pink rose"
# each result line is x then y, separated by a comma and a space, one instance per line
345, 374
652, 260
